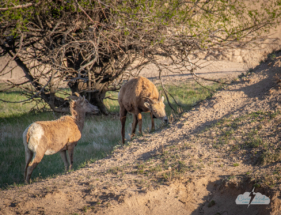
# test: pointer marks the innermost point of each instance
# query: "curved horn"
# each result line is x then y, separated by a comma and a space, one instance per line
150, 100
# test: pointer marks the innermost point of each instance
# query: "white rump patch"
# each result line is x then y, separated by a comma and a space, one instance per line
36, 132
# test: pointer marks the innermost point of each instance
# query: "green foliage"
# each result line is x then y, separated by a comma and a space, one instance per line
231, 16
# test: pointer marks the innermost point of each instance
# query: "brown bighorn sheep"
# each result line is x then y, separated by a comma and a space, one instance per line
49, 137
136, 96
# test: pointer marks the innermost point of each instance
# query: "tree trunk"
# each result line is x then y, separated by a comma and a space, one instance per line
96, 95
57, 104
97, 99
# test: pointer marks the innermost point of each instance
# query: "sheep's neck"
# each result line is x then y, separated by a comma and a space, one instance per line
79, 119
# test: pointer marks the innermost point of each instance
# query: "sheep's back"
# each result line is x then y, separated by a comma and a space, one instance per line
56, 134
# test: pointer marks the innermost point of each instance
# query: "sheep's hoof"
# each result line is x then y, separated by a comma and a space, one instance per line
27, 181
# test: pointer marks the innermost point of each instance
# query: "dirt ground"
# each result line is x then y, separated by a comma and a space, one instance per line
117, 185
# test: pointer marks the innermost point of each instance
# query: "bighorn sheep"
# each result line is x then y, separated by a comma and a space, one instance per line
49, 137
136, 96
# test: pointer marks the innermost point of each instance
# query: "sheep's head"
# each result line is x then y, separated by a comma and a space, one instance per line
82, 103
157, 108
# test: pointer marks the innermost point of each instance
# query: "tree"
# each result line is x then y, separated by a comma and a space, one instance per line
94, 45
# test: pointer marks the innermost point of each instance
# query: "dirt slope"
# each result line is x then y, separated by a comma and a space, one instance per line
182, 169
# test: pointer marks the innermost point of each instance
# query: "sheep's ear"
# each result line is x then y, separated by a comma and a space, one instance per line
72, 97
147, 105
163, 98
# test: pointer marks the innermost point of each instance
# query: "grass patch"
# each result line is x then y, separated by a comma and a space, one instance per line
188, 94
254, 138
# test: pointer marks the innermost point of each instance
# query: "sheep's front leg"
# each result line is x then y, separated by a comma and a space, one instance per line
70, 153
64, 158
139, 117
123, 113
152, 122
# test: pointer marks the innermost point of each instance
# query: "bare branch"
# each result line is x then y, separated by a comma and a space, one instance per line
21, 6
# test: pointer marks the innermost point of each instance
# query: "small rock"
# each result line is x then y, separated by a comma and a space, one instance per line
216, 106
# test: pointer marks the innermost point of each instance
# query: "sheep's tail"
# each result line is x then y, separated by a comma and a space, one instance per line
27, 137
28, 152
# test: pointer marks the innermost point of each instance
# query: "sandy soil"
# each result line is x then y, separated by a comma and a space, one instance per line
117, 184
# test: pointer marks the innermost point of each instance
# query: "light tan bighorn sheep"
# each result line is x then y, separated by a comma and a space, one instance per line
49, 137
136, 96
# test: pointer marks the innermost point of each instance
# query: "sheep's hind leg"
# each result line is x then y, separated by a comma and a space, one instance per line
139, 118
70, 153
28, 157
31, 166
64, 158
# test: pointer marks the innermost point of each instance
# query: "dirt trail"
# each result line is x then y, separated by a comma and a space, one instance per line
222, 64
132, 181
